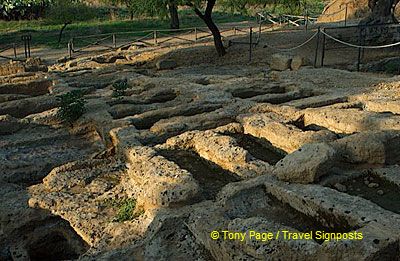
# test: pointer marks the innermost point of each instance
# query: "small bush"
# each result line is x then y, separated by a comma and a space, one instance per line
119, 88
72, 106
126, 209
69, 11
392, 67
22, 9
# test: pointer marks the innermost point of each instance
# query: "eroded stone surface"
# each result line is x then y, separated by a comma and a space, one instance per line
282, 135
161, 183
307, 164
267, 136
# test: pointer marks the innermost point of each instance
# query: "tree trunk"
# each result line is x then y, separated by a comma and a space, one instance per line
219, 46
173, 12
206, 17
61, 32
382, 12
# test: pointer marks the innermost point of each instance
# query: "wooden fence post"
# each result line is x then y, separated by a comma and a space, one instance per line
72, 44
306, 19
251, 44
316, 48
155, 37
70, 49
323, 49
25, 46
15, 51
360, 42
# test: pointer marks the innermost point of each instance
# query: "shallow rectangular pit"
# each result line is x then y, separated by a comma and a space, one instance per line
284, 214
318, 101
299, 123
373, 188
211, 177
159, 139
259, 148
249, 93
146, 123
161, 97
279, 98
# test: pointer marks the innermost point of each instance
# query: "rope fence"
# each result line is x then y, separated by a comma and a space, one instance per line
108, 41
15, 47
158, 37
359, 46
321, 32
150, 38
293, 48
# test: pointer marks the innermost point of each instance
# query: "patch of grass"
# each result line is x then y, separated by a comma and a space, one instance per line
72, 106
46, 34
125, 209
119, 88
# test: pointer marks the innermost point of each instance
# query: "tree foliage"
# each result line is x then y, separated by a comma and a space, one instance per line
22, 9
66, 12
382, 12
162, 7
274, 6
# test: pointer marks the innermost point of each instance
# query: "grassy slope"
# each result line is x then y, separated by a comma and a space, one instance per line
45, 34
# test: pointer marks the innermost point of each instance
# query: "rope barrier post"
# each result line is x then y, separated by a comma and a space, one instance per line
234, 30
15, 51
323, 49
25, 47
251, 43
23, 39
72, 44
114, 39
316, 48
306, 19
345, 16
29, 46
155, 37
70, 49
359, 49
195, 34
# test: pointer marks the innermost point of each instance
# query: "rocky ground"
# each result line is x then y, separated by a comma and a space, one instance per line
198, 147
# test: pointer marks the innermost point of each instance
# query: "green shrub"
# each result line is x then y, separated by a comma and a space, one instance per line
22, 9
72, 106
125, 209
119, 88
392, 67
66, 12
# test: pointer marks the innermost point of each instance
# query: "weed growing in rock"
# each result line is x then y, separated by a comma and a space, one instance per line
72, 106
126, 209
119, 88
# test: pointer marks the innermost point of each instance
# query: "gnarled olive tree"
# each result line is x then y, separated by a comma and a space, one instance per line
382, 12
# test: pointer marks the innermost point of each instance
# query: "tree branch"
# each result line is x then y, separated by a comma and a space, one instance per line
198, 12
209, 8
